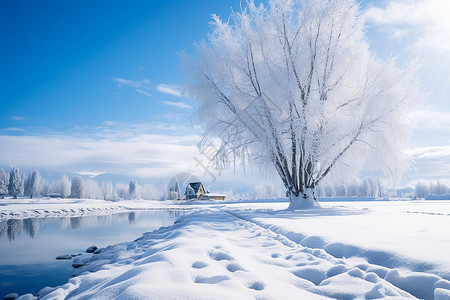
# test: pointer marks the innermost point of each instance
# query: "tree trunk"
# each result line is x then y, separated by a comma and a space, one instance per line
305, 200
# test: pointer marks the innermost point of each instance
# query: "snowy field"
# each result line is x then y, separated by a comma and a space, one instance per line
344, 250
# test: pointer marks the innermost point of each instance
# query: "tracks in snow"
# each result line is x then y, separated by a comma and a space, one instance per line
407, 283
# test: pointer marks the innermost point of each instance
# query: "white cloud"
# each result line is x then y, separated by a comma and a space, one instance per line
155, 151
12, 129
110, 123
143, 92
426, 22
181, 105
90, 174
169, 89
144, 155
430, 162
430, 152
17, 118
429, 118
132, 83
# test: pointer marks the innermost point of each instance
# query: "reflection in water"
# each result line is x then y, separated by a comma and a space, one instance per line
31, 226
75, 222
132, 217
12, 228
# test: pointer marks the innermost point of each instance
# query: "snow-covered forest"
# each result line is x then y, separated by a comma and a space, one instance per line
32, 184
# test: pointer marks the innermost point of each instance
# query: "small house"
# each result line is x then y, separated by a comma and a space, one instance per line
196, 190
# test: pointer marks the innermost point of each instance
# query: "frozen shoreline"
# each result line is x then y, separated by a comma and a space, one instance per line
68, 207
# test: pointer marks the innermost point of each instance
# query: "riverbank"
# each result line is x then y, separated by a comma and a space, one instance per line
344, 250
69, 207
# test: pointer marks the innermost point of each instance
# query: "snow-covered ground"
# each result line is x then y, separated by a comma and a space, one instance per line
344, 250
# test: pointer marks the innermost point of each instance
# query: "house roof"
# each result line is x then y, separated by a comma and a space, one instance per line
189, 190
195, 186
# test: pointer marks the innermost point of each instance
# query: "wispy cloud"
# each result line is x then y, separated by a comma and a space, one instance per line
430, 118
132, 83
169, 89
139, 86
90, 174
17, 118
12, 129
181, 105
110, 123
425, 22
430, 162
143, 92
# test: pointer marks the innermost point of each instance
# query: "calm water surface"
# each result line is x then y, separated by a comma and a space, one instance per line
28, 247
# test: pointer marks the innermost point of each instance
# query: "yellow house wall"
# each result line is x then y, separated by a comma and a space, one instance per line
201, 191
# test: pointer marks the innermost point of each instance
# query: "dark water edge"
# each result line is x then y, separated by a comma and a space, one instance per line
22, 279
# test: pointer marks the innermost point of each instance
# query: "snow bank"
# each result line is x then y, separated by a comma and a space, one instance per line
223, 253
244, 250
68, 207
404, 243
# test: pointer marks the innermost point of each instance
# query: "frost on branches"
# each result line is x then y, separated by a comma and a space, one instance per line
294, 86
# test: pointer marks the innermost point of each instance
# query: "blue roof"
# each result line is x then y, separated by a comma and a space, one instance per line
195, 186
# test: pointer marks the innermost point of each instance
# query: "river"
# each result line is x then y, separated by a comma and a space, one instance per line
28, 247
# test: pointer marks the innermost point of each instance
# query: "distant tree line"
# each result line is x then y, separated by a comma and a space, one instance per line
424, 189
368, 187
33, 184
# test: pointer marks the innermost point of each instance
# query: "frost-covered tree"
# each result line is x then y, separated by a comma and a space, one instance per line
91, 189
4, 181
292, 86
132, 188
421, 189
61, 187
366, 189
329, 191
354, 190
46, 187
438, 188
65, 186
340, 190
33, 184
374, 187
121, 190
77, 187
107, 190
15, 186
149, 192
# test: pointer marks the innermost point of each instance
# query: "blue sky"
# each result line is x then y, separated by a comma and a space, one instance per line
61, 58
95, 86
